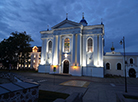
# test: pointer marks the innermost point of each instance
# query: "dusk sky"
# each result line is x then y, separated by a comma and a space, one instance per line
120, 18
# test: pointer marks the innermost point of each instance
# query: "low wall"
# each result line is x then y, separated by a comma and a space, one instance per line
8, 75
19, 92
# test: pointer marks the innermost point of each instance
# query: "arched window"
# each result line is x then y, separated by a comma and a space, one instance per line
118, 66
107, 66
66, 45
90, 44
131, 61
50, 46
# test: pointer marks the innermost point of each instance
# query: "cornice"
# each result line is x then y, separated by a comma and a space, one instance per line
93, 27
46, 32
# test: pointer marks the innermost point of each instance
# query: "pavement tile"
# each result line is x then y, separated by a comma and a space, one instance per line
99, 89
76, 83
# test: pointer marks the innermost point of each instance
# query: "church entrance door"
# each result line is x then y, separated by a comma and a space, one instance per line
66, 66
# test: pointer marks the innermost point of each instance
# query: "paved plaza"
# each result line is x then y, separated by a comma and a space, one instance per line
93, 89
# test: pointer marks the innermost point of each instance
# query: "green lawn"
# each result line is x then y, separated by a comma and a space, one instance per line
49, 96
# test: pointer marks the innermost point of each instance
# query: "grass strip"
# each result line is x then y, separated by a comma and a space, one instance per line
50, 96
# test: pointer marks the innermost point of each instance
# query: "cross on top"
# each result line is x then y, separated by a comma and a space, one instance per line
66, 16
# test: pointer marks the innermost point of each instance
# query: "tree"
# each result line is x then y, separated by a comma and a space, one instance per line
18, 42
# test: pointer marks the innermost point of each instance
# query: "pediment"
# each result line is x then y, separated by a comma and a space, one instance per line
66, 23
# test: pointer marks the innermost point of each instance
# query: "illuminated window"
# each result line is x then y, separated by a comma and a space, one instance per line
107, 66
66, 45
50, 47
131, 61
25, 65
29, 65
118, 66
34, 56
90, 44
34, 61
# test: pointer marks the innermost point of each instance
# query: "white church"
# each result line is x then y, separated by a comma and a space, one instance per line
77, 49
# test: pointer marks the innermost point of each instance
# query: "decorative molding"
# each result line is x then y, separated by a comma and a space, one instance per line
92, 31
47, 32
112, 57
46, 36
67, 31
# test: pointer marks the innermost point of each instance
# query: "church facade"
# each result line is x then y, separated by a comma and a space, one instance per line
77, 49
73, 48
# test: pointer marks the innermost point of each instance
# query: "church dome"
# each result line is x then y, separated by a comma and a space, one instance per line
112, 48
83, 21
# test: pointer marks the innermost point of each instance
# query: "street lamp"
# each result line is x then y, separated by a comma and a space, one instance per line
123, 42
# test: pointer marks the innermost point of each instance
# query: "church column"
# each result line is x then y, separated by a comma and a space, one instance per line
59, 53
78, 49
54, 60
46, 51
73, 49
95, 50
58, 50
84, 61
100, 51
43, 50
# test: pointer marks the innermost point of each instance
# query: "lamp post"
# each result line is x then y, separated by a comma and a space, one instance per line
123, 42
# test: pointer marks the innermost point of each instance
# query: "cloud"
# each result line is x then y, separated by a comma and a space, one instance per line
119, 18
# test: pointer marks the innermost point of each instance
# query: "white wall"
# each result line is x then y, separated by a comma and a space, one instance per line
44, 69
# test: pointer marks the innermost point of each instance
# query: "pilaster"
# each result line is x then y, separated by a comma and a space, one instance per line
46, 51
73, 50
58, 50
78, 49
43, 50
84, 61
54, 50
95, 50
100, 51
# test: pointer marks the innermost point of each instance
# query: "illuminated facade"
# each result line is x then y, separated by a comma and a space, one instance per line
31, 59
35, 57
73, 48
114, 64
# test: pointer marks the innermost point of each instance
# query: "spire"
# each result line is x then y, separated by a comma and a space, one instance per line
101, 21
47, 27
82, 15
112, 48
66, 16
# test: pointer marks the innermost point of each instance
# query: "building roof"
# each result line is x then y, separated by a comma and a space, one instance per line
121, 54
130, 53
39, 49
64, 22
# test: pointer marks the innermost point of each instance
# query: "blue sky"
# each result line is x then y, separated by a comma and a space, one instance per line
120, 18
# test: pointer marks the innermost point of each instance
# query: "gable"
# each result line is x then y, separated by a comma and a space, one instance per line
66, 23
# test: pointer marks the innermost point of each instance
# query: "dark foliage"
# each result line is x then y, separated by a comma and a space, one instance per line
18, 42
